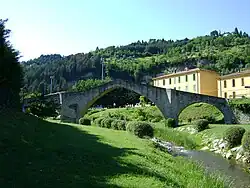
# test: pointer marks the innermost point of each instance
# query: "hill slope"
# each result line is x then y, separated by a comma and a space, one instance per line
37, 153
224, 53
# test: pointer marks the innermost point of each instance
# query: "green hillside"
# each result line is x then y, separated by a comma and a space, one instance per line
224, 52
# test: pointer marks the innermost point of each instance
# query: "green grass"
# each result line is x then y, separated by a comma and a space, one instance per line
200, 110
215, 131
38, 153
179, 138
149, 113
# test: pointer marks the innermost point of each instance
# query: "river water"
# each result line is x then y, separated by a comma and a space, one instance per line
213, 162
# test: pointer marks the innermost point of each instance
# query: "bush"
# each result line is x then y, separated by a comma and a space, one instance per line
210, 119
140, 129
233, 136
84, 121
201, 124
170, 122
98, 121
246, 141
106, 122
118, 125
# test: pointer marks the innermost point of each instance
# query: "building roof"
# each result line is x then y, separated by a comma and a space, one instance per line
236, 74
183, 73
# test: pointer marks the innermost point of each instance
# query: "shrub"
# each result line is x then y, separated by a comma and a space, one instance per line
98, 121
118, 125
246, 141
210, 119
84, 121
140, 129
170, 122
189, 120
106, 122
201, 124
233, 135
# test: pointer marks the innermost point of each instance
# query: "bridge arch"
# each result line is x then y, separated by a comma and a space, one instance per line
200, 110
77, 103
182, 99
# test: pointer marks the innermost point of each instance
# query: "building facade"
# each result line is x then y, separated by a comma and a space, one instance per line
193, 80
234, 85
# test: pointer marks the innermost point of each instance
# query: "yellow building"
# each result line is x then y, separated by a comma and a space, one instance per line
193, 80
233, 85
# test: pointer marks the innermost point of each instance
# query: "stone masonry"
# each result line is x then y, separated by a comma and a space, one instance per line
169, 101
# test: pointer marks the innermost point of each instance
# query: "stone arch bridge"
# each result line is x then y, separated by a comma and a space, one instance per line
169, 101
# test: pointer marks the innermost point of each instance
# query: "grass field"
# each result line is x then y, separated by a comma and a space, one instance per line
38, 153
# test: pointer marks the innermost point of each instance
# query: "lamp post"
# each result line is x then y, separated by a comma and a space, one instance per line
51, 83
102, 62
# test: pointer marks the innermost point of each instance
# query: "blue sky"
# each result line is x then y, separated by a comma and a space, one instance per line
74, 26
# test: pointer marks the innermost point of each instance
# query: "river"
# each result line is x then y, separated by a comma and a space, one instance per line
212, 162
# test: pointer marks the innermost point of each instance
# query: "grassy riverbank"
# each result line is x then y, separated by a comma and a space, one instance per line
37, 153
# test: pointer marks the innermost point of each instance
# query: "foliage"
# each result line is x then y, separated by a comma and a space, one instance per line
201, 124
241, 104
98, 121
11, 75
148, 113
170, 122
106, 122
233, 135
88, 154
84, 85
118, 124
142, 101
201, 111
84, 121
246, 141
43, 108
223, 52
140, 129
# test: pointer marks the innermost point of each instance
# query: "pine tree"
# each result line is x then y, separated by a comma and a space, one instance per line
10, 71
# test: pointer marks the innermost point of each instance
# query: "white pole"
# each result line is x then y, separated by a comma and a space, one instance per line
102, 62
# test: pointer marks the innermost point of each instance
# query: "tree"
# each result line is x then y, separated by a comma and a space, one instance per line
214, 33
142, 101
236, 31
10, 71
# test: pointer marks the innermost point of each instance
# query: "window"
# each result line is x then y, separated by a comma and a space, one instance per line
193, 77
169, 81
186, 78
164, 82
225, 84
194, 88
174, 87
174, 80
242, 82
186, 88
233, 83
179, 88
179, 79
234, 95
225, 95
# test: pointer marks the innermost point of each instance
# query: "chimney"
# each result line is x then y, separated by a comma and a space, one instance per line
186, 69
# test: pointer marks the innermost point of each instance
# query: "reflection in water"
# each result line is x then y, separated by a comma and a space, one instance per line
214, 162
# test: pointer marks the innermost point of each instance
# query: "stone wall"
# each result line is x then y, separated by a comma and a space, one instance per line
242, 118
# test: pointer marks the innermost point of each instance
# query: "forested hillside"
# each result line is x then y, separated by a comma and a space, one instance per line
223, 52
